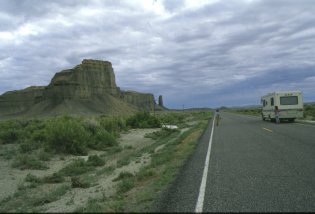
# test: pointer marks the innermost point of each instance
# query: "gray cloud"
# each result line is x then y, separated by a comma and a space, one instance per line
212, 54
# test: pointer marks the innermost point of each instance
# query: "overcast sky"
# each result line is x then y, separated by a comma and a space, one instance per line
196, 53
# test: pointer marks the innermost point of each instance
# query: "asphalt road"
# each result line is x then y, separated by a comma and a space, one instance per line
255, 166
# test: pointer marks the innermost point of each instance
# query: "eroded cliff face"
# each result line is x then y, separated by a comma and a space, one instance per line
142, 100
87, 88
13, 102
92, 77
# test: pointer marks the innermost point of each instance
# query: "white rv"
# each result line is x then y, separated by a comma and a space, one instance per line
290, 105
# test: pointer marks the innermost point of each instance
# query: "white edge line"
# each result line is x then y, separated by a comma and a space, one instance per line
202, 190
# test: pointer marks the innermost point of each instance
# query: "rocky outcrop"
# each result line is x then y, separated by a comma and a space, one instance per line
161, 101
20, 101
92, 77
87, 88
142, 100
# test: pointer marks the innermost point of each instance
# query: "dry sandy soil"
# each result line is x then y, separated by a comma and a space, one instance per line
11, 178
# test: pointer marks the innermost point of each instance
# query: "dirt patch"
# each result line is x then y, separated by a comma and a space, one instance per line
136, 139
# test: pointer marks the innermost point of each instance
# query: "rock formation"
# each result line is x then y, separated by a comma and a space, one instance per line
88, 88
161, 100
92, 77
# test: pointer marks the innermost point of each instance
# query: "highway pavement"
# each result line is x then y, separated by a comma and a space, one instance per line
254, 166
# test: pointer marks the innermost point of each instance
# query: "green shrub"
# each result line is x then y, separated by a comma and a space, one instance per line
10, 131
173, 118
163, 133
51, 196
123, 175
44, 156
309, 111
123, 162
39, 136
114, 125
76, 182
25, 161
102, 139
125, 185
76, 167
95, 160
145, 173
92, 206
67, 135
8, 153
143, 120
27, 146
54, 178
32, 178
114, 149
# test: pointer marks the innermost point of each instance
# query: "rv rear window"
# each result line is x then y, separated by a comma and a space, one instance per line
289, 100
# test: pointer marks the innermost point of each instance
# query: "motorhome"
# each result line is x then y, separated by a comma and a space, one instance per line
290, 105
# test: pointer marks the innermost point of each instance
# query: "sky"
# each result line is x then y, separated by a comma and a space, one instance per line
195, 53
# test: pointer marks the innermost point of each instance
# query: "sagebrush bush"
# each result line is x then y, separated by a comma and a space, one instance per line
10, 131
123, 175
143, 120
76, 167
95, 160
173, 118
125, 185
25, 161
67, 135
309, 111
101, 140
54, 178
76, 182
113, 125
32, 178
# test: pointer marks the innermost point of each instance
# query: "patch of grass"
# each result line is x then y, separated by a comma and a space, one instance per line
128, 147
92, 206
114, 150
51, 196
123, 175
146, 172
123, 162
161, 134
32, 178
95, 160
26, 200
33, 181
125, 185
44, 156
25, 161
309, 111
8, 153
27, 146
77, 182
105, 170
54, 178
76, 167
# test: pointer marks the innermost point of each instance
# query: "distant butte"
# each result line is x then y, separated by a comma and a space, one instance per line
88, 88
